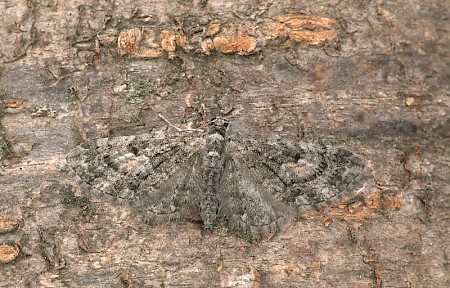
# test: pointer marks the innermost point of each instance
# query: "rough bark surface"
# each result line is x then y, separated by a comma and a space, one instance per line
371, 75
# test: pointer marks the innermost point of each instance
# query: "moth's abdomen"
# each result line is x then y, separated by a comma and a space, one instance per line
214, 166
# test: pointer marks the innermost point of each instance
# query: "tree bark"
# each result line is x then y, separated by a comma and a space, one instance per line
370, 75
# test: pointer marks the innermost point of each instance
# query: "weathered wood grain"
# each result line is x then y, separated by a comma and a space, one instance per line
373, 76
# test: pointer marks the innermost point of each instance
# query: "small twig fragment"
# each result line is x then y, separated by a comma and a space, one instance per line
178, 128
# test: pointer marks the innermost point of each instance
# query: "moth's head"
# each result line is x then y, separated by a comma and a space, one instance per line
218, 125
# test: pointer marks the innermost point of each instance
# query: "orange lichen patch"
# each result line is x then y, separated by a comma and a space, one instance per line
207, 46
151, 53
312, 37
129, 41
7, 225
300, 21
213, 28
13, 103
224, 45
370, 206
168, 40
13, 106
8, 253
312, 29
356, 211
241, 43
275, 29
372, 201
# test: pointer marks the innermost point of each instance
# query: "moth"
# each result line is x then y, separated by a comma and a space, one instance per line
251, 187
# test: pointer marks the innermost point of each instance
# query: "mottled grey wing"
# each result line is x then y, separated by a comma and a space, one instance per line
306, 176
177, 197
149, 170
249, 210
111, 165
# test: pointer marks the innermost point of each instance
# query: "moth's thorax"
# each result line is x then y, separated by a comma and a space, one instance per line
214, 160
215, 141
218, 126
